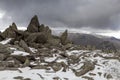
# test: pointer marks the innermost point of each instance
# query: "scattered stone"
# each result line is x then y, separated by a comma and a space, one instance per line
88, 66
19, 77
109, 76
99, 73
56, 78
56, 66
27, 79
25, 46
88, 78
4, 49
92, 74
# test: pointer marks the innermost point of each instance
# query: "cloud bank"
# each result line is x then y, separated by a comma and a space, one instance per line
96, 14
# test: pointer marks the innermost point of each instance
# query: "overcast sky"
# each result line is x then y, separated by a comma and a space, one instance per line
92, 15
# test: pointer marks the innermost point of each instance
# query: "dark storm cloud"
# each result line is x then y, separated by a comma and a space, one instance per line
102, 14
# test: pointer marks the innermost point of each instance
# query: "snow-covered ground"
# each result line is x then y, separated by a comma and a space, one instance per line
107, 67
103, 68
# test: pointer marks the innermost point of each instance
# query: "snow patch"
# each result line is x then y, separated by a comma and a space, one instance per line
6, 41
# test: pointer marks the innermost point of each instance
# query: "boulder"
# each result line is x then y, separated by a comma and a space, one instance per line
54, 41
10, 32
24, 46
27, 62
56, 66
68, 46
1, 37
21, 59
3, 57
37, 38
88, 66
4, 49
34, 25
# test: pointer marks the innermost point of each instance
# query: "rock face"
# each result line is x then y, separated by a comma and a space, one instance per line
37, 38
25, 46
63, 37
1, 37
34, 25
4, 52
4, 49
10, 32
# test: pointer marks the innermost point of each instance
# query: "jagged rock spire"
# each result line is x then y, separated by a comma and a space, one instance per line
10, 32
64, 37
14, 27
34, 25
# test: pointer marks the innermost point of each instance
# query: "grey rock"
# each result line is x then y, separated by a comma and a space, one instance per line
25, 46
10, 32
34, 25
63, 37
4, 49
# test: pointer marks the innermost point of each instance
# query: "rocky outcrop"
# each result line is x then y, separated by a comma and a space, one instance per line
36, 35
34, 25
1, 37
24, 46
4, 49
10, 32
36, 38
63, 37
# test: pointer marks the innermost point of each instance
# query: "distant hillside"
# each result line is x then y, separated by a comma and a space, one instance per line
92, 40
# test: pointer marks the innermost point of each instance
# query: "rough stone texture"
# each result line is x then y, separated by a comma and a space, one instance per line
37, 38
68, 46
10, 32
27, 62
1, 37
34, 25
63, 37
4, 49
88, 66
25, 46
3, 57
56, 66
21, 59
54, 41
